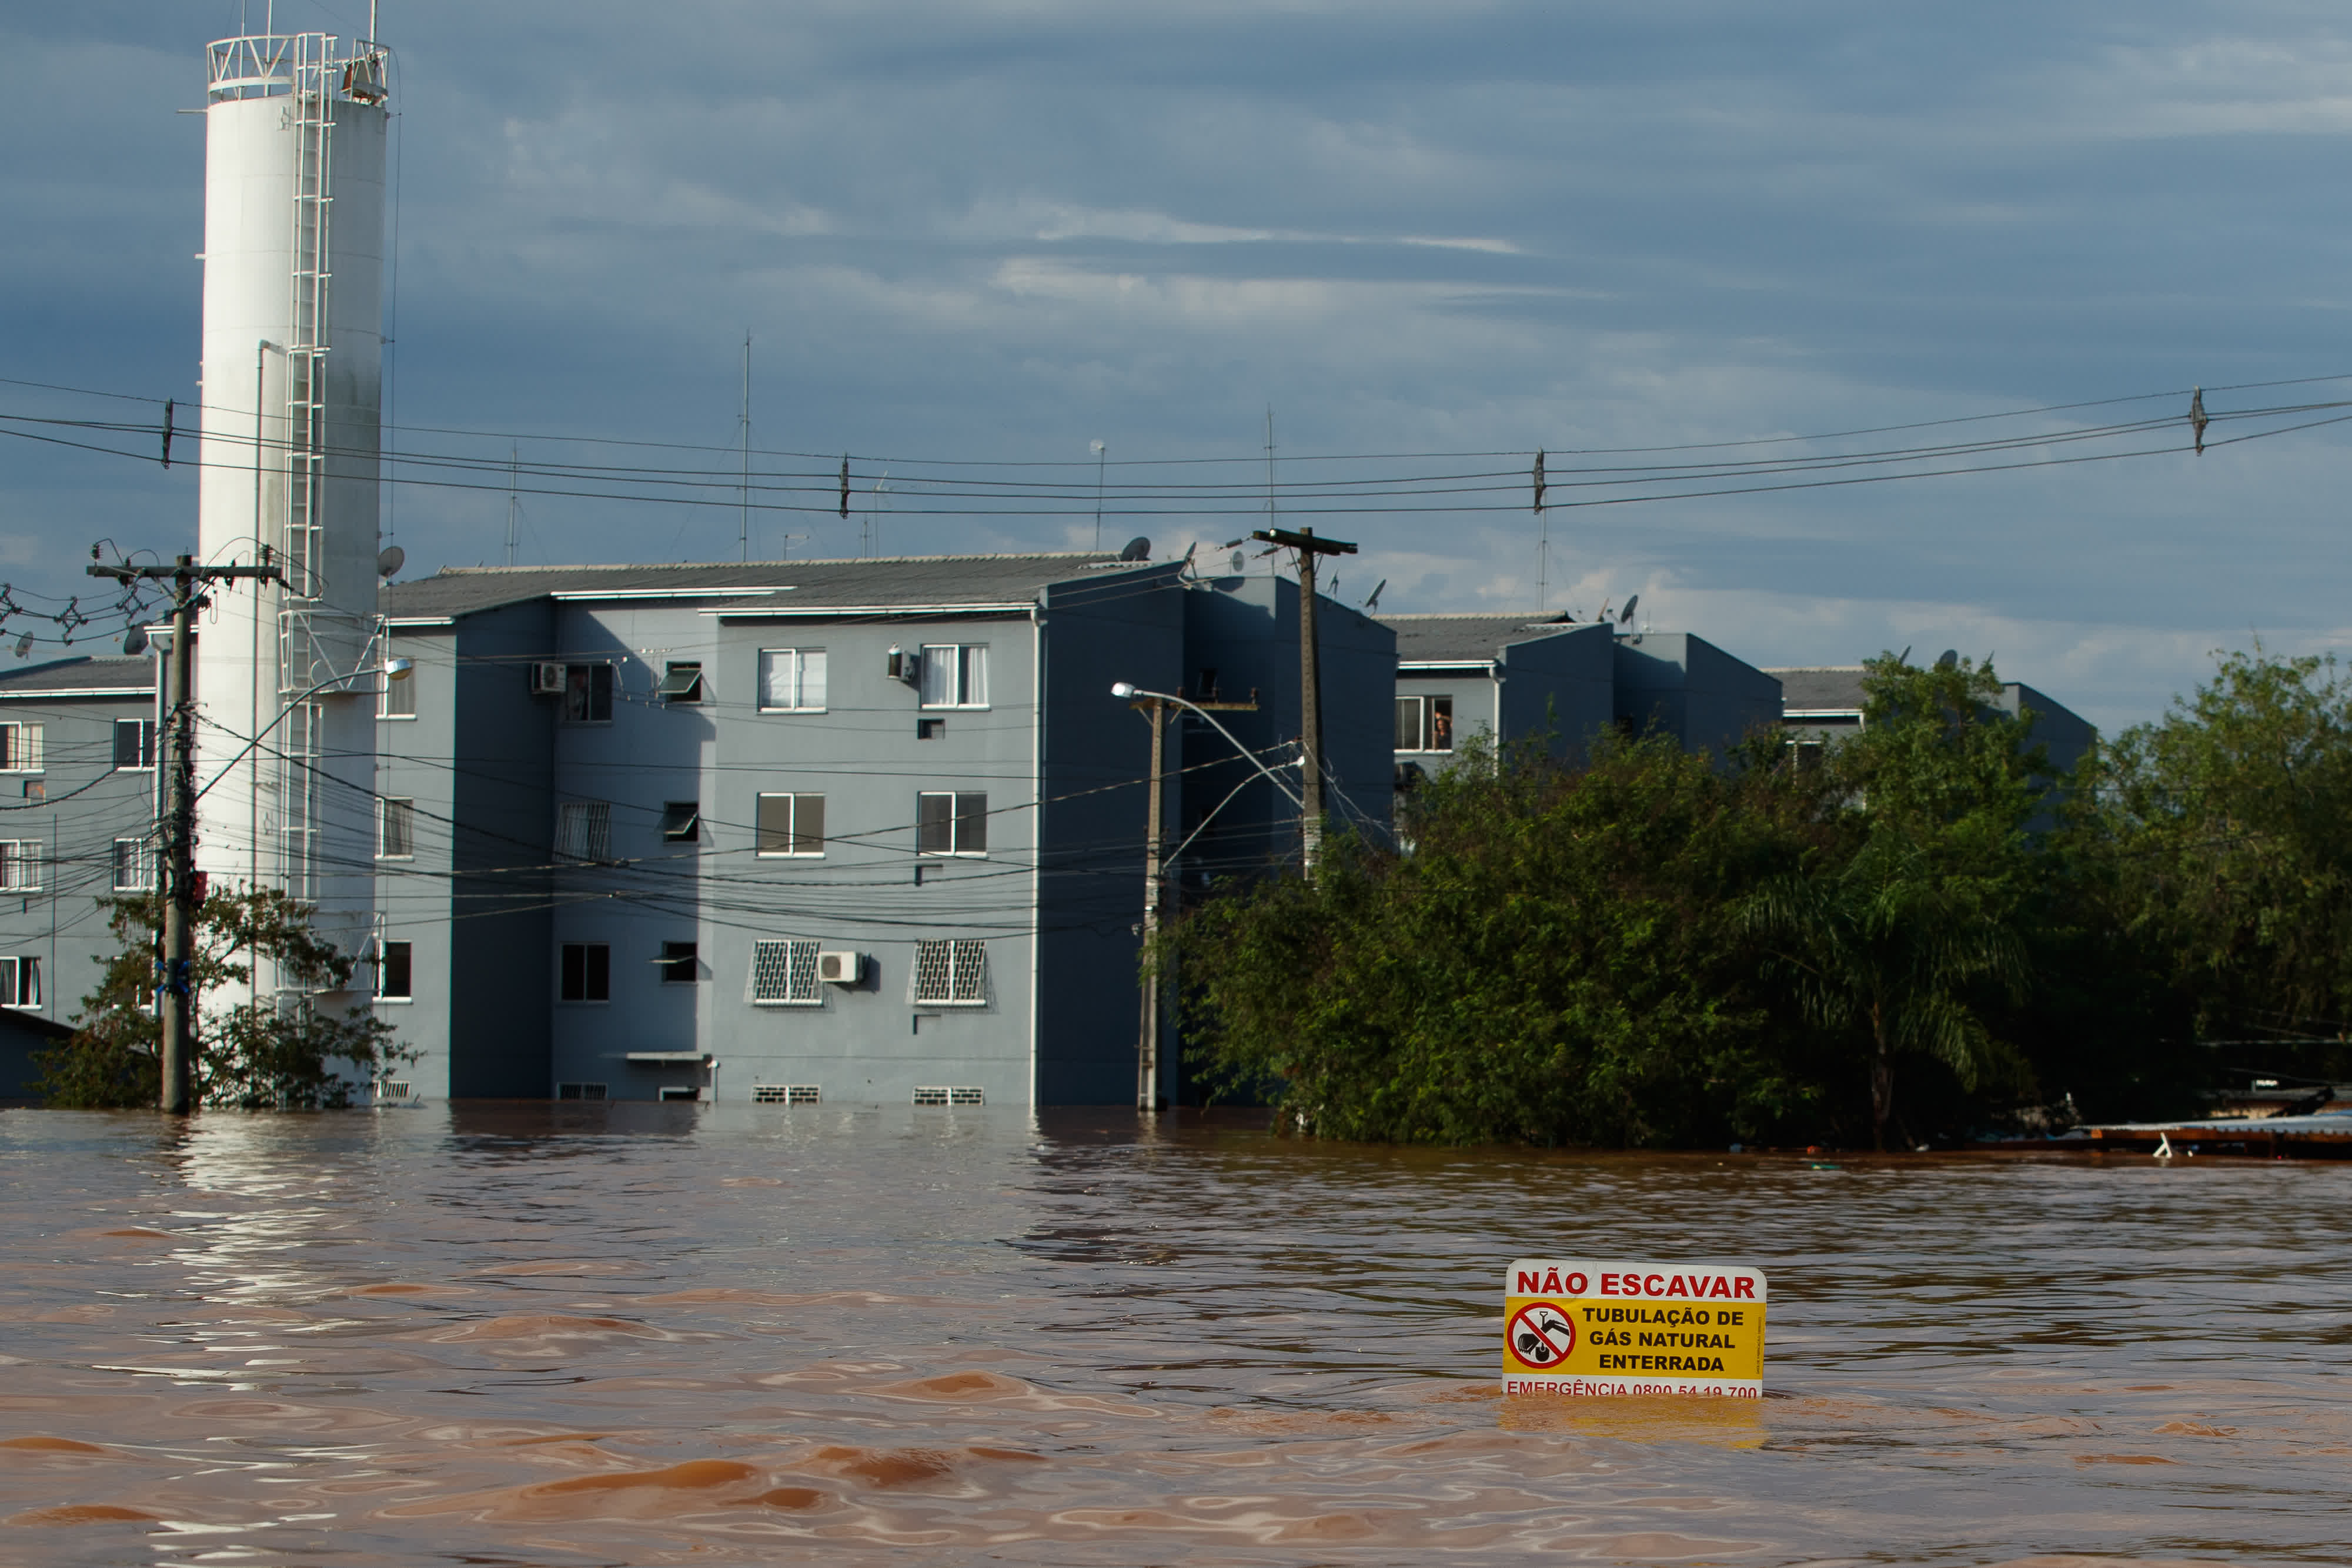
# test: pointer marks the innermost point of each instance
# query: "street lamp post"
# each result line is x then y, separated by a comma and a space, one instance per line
1155, 705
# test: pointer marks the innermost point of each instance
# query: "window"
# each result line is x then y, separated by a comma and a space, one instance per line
784, 974
20, 982
587, 972
791, 825
583, 829
134, 865
681, 683
1425, 724
20, 865
792, 680
587, 694
951, 824
396, 1089
680, 1092
395, 824
681, 821
579, 1092
930, 729
678, 964
393, 972
398, 698
952, 974
955, 676
784, 1095
950, 1094
1806, 753
134, 743
20, 748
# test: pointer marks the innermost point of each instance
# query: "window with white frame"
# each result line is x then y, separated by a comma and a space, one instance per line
394, 972
398, 698
791, 825
20, 865
784, 974
20, 747
951, 824
134, 743
952, 974
134, 865
955, 674
1425, 724
395, 829
583, 829
792, 680
20, 982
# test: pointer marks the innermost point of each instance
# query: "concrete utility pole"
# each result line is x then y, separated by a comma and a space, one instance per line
175, 992
1155, 707
1310, 685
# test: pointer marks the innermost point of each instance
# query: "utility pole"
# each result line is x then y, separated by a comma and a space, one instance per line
1146, 1047
1310, 685
175, 993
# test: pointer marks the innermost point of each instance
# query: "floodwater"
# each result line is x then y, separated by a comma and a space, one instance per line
671, 1334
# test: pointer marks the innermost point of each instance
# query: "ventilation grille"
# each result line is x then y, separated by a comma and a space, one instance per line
394, 1088
943, 1095
784, 1095
579, 1092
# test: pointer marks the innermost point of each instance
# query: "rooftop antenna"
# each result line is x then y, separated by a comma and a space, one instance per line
746, 540
514, 501
1543, 538
1102, 457
874, 514
1271, 571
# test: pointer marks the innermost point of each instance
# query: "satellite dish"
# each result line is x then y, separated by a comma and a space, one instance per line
1240, 564
1137, 548
134, 642
1626, 619
1374, 601
1948, 659
393, 558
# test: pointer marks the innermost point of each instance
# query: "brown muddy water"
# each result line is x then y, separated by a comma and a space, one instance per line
670, 1335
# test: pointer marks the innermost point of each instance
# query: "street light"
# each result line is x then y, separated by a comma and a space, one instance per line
395, 669
1127, 691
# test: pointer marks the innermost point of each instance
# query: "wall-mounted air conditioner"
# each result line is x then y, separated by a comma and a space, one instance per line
546, 678
841, 968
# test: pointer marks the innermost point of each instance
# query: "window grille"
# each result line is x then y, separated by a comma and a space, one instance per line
20, 865
791, 825
579, 1092
951, 824
952, 973
134, 865
20, 982
784, 974
955, 674
784, 1095
583, 829
588, 694
20, 747
394, 1088
792, 680
395, 829
134, 743
948, 1094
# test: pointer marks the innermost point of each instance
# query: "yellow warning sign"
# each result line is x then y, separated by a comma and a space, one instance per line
1580, 1327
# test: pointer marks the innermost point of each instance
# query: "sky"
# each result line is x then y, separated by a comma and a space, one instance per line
995, 232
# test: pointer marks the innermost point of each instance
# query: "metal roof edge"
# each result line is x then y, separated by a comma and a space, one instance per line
804, 612
54, 692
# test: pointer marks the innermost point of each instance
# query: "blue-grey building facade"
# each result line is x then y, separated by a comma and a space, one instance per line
1512, 678
1680, 685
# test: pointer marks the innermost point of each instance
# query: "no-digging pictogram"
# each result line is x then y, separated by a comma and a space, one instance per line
1542, 1333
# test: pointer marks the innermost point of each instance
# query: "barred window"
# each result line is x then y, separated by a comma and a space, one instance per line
20, 865
579, 1091
785, 1094
784, 974
947, 824
134, 865
952, 973
583, 829
791, 825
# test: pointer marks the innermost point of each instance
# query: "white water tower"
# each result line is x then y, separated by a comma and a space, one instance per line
294, 223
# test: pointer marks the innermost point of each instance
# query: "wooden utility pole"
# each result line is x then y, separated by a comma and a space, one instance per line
175, 986
1155, 896
1310, 685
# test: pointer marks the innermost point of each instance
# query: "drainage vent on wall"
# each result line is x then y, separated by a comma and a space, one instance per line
784, 1095
944, 1095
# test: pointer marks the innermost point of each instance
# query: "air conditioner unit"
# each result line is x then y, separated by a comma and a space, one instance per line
546, 678
841, 968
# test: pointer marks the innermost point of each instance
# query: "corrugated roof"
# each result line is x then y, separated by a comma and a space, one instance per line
1820, 688
1468, 639
911, 582
79, 675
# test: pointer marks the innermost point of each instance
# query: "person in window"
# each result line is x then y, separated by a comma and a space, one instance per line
1441, 729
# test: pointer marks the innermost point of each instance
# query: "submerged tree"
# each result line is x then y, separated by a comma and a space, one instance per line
274, 1050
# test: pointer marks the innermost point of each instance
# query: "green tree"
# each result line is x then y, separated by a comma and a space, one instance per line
261, 1053
2227, 833
1894, 949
